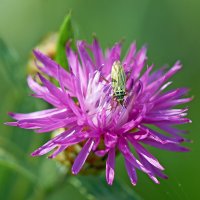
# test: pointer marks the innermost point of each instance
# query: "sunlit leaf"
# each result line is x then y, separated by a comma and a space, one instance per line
66, 34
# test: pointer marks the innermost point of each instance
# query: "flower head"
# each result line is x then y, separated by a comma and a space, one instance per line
85, 105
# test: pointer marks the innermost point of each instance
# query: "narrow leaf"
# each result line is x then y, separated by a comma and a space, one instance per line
10, 61
96, 188
66, 34
9, 161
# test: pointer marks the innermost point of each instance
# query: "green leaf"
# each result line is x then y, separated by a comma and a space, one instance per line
66, 34
9, 161
96, 188
10, 60
48, 173
7, 54
10, 146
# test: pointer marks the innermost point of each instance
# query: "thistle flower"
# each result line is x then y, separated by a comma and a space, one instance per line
85, 107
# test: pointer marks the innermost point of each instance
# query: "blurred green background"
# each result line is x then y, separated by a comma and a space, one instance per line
170, 28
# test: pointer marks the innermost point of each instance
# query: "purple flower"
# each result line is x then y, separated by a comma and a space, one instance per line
84, 106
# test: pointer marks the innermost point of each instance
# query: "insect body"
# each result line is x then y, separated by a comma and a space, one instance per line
118, 79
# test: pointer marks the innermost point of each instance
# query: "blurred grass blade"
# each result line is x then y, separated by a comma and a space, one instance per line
48, 174
8, 145
96, 188
7, 54
10, 61
66, 33
8, 160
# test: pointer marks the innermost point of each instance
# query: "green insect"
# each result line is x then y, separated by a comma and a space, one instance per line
118, 79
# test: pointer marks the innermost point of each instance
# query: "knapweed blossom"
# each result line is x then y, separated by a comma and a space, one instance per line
85, 107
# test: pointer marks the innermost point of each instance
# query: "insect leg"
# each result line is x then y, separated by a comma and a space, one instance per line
104, 78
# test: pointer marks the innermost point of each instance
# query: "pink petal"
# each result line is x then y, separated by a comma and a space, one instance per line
82, 156
37, 114
42, 92
98, 54
50, 67
131, 172
110, 166
149, 157
130, 55
140, 60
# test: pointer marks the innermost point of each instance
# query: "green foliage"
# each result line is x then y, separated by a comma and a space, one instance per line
96, 188
66, 34
9, 58
10, 161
